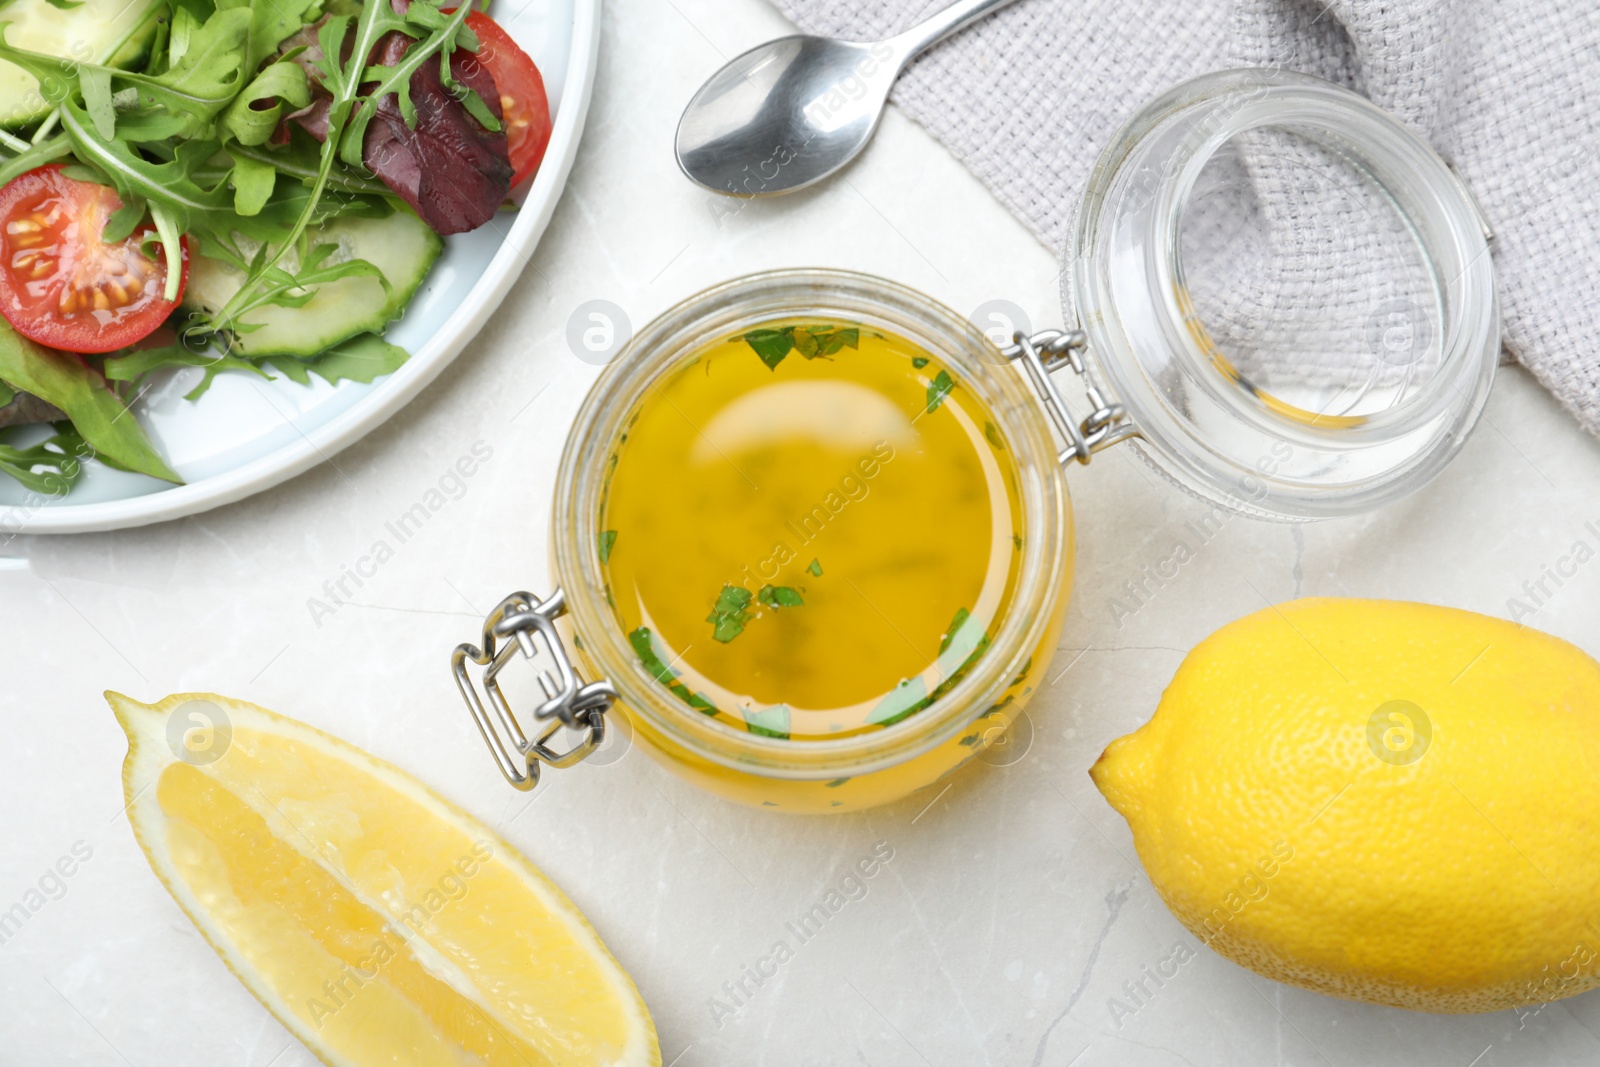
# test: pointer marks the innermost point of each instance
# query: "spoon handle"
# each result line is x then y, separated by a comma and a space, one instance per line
923, 35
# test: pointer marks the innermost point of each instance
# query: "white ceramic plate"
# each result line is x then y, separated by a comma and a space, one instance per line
246, 434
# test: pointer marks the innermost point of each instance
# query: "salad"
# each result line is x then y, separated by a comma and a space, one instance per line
256, 188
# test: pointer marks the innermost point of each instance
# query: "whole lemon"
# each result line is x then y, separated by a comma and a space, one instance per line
1390, 802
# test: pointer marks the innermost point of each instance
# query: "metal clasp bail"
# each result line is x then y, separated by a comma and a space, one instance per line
530, 622
1050, 350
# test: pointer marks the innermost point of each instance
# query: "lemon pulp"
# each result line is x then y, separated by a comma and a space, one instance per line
377, 922
810, 529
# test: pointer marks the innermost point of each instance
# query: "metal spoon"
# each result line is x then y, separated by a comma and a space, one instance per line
788, 113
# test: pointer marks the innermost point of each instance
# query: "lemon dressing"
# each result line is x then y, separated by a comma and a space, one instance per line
810, 529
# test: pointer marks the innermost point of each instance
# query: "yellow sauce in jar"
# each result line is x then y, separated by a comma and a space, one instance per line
810, 530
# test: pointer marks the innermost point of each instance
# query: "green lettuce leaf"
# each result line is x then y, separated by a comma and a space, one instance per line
70, 384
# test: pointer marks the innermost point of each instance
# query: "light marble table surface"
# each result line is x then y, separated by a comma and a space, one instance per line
1013, 910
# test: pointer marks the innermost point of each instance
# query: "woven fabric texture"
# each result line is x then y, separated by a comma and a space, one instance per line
1507, 91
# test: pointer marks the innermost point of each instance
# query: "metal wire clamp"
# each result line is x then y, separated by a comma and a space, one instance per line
1050, 350
524, 623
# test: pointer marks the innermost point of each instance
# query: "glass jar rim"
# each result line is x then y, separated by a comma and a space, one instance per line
1141, 186
675, 336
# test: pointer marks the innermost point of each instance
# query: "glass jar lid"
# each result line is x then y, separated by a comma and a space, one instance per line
1289, 292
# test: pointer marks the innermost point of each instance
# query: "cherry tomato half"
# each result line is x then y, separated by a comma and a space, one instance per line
61, 284
522, 101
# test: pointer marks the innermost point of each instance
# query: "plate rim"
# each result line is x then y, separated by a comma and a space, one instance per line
399, 389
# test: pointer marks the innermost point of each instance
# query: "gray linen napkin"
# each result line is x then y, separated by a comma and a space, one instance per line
1508, 91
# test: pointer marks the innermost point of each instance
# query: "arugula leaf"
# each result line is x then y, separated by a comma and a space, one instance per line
271, 24
938, 389
605, 541
769, 722
47, 151
141, 363
96, 85
300, 159
170, 184
52, 466
296, 290
123, 221
730, 613
206, 76
7, 394
253, 182
779, 596
249, 123
70, 384
815, 568
394, 80
363, 358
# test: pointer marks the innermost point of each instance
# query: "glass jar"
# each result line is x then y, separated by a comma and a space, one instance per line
1286, 393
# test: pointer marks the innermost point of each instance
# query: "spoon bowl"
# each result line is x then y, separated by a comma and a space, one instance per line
788, 113
785, 115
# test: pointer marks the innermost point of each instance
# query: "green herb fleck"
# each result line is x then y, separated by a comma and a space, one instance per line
771, 722
812, 342
771, 345
651, 660
835, 784
1016, 540
938, 389
962, 615
779, 596
605, 539
992, 432
995, 709
919, 361
645, 649
806, 343
849, 337
909, 696
730, 613
698, 701
815, 568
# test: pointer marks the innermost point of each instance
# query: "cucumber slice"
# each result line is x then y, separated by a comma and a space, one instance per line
115, 33
402, 246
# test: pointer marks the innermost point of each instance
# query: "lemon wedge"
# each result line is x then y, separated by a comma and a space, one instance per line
377, 921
